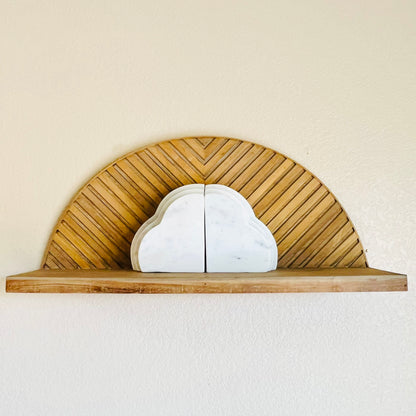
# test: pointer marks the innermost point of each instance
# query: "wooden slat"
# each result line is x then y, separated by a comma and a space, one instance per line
91, 241
299, 246
196, 146
184, 160
284, 213
316, 217
281, 200
267, 183
145, 201
241, 165
189, 156
159, 169
61, 257
249, 178
104, 239
109, 223
96, 228
223, 167
277, 281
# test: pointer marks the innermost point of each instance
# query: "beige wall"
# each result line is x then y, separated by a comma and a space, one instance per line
331, 84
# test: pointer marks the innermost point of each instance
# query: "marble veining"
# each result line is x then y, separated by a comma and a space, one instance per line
173, 239
235, 240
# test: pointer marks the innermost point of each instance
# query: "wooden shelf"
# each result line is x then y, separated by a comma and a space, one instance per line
309, 225
277, 281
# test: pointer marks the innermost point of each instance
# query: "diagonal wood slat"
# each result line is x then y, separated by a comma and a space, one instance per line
309, 225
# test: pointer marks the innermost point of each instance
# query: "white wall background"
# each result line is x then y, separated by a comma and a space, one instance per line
331, 84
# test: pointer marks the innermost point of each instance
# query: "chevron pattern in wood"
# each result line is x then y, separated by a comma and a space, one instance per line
309, 225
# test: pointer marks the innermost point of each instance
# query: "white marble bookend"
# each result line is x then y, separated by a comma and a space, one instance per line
235, 240
173, 239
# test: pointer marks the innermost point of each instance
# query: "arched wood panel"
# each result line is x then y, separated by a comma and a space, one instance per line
310, 226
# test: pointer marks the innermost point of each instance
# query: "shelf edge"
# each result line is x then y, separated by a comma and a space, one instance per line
277, 281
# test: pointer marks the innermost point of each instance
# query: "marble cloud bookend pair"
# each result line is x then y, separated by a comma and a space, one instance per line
204, 228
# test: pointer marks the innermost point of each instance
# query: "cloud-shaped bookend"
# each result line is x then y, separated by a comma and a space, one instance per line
199, 228
173, 239
235, 240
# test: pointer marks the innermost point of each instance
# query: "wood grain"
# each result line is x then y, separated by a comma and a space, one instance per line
309, 225
277, 281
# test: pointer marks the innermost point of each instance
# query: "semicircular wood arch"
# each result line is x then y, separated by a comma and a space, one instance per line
310, 227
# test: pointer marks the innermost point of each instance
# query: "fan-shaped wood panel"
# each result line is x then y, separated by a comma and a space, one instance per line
310, 227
